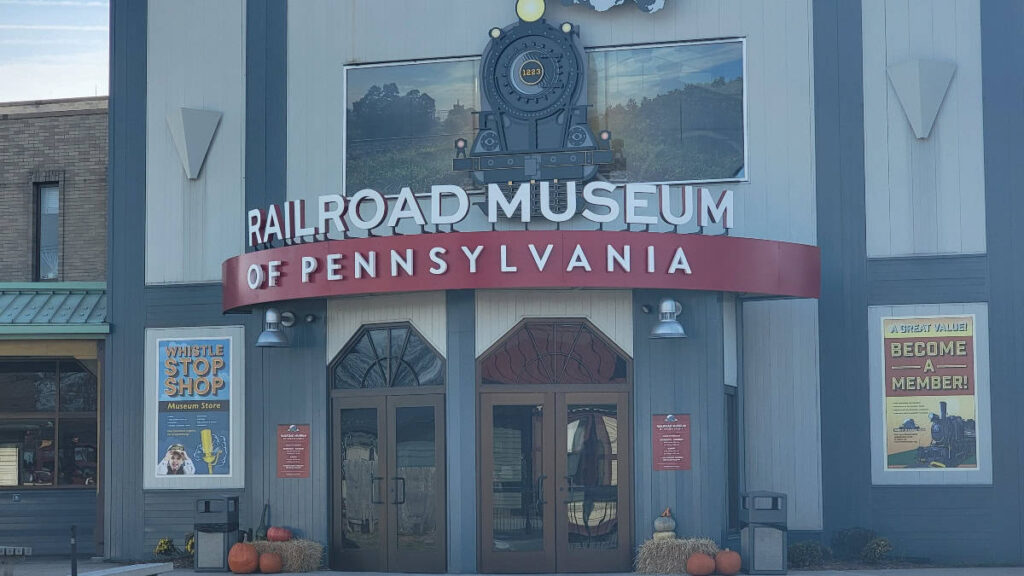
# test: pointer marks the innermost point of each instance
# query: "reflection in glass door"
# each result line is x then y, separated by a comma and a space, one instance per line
416, 465
594, 511
359, 510
389, 484
517, 488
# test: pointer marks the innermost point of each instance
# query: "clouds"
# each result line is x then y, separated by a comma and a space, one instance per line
53, 49
648, 6
54, 76
56, 3
53, 27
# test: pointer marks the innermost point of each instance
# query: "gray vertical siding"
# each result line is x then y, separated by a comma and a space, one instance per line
946, 523
265, 93
126, 210
266, 101
293, 383
460, 423
168, 513
283, 386
680, 377
923, 196
782, 425
1002, 24
294, 391
842, 308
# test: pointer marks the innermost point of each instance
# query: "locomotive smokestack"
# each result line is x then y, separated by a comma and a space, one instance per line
942, 410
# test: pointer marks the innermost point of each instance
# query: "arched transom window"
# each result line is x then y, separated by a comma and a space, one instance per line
387, 356
554, 352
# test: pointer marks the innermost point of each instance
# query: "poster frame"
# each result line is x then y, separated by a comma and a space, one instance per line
236, 479
881, 474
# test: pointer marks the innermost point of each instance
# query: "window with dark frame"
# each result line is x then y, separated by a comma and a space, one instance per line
47, 227
48, 425
387, 356
554, 352
676, 113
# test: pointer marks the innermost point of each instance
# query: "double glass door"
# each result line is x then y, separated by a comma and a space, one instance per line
388, 483
555, 482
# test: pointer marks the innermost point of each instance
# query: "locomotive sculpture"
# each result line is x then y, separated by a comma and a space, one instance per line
533, 122
954, 441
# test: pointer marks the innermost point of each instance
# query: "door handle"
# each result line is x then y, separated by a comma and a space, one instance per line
375, 489
568, 488
540, 490
402, 480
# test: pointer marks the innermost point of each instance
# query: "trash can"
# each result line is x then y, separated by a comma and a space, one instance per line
763, 532
216, 531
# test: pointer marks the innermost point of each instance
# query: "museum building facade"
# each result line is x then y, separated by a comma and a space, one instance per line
487, 286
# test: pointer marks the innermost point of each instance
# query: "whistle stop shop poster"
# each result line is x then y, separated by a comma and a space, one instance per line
930, 392
194, 414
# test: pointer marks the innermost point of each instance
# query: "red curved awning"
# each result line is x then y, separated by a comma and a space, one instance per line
522, 259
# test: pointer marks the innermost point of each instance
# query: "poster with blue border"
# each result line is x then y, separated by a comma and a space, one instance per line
194, 407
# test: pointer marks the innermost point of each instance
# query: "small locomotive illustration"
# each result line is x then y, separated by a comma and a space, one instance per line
954, 441
533, 122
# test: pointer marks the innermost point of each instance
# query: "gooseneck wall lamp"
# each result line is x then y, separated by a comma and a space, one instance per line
272, 336
273, 320
668, 326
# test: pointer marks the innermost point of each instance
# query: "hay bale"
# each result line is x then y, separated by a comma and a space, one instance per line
669, 556
296, 555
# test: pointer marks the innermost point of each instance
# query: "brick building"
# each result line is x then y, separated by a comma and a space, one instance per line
62, 142
53, 202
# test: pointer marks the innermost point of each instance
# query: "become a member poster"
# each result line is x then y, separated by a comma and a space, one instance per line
930, 392
194, 414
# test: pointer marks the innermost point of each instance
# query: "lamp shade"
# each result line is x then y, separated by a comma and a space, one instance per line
668, 326
272, 336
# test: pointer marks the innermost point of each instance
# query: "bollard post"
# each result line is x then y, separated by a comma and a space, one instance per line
74, 550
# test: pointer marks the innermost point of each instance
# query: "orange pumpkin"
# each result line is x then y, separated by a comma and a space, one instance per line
270, 563
700, 564
728, 562
243, 558
279, 534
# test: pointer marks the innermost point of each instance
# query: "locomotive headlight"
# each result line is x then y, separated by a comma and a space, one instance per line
495, 32
606, 135
460, 143
530, 10
566, 27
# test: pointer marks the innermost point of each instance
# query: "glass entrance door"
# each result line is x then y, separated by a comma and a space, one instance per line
555, 490
389, 484
593, 439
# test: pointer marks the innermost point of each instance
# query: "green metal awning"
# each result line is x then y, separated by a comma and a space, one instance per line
53, 309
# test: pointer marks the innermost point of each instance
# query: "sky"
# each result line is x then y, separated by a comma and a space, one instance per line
53, 49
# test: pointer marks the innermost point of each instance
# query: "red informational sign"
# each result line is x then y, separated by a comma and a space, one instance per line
670, 434
293, 450
521, 259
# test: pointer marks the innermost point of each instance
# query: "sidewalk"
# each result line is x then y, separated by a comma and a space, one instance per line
1008, 571
57, 567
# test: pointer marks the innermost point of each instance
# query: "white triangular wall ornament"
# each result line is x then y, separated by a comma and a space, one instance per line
920, 86
192, 131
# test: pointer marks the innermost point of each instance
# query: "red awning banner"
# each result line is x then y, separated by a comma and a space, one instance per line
521, 259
